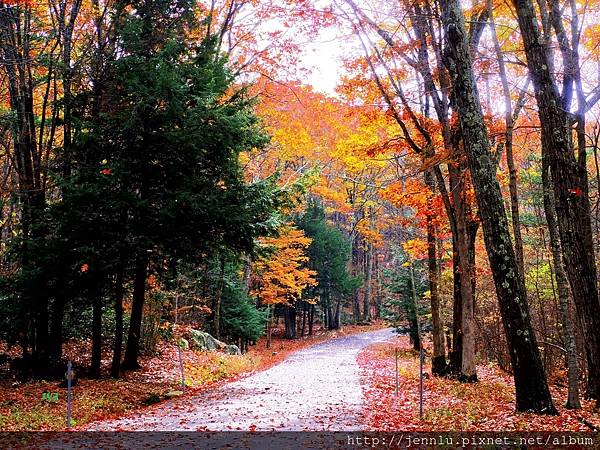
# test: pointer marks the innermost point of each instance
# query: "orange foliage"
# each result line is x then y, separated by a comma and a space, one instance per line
282, 276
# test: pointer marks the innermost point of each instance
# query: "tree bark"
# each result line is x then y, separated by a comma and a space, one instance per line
532, 393
96, 335
289, 317
132, 350
438, 362
217, 300
467, 310
508, 146
562, 285
455, 363
115, 369
569, 176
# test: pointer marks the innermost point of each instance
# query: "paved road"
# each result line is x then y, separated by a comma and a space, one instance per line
315, 389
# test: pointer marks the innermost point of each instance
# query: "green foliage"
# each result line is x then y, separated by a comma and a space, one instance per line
329, 254
239, 316
399, 306
152, 176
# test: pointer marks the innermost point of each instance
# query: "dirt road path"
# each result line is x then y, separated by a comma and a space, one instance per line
315, 389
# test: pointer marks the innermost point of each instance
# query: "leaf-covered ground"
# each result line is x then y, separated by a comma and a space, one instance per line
449, 405
23, 408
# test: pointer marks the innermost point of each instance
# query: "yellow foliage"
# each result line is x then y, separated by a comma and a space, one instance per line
282, 276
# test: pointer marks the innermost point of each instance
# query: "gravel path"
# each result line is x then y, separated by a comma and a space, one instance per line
315, 389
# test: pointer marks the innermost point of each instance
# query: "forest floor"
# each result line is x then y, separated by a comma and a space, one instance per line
448, 404
23, 408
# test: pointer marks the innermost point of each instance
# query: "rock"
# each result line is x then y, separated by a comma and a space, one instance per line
173, 394
183, 344
151, 399
204, 341
233, 350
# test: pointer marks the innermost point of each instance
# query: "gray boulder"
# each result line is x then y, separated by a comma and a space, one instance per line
199, 340
233, 350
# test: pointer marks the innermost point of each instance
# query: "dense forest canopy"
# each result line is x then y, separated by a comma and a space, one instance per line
165, 160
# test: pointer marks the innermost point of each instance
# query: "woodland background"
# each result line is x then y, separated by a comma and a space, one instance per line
163, 167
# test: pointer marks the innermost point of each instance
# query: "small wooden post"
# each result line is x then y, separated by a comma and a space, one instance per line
179, 345
396, 354
421, 357
420, 337
69, 392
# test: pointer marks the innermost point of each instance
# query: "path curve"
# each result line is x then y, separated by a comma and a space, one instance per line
315, 389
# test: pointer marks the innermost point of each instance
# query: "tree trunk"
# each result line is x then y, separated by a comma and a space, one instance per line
338, 314
132, 350
438, 362
217, 301
55, 344
415, 327
564, 294
456, 353
508, 144
532, 393
369, 272
303, 328
569, 178
467, 330
269, 325
289, 317
311, 318
591, 386
115, 369
355, 270
96, 335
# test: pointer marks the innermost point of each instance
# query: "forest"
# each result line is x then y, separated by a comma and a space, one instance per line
185, 200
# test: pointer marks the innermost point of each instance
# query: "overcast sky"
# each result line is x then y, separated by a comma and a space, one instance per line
324, 57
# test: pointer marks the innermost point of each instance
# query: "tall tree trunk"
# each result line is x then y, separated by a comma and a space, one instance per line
508, 144
438, 362
96, 334
368, 284
564, 293
569, 176
55, 344
369, 271
532, 393
115, 369
289, 317
15, 52
217, 300
132, 350
467, 329
356, 256
456, 353
591, 387
304, 314
413, 314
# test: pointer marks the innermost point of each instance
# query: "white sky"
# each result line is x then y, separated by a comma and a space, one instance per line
324, 58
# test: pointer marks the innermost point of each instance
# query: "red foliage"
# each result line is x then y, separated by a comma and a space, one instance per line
449, 405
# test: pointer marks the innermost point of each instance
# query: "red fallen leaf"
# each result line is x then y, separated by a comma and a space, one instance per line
252, 428
576, 191
105, 172
84, 268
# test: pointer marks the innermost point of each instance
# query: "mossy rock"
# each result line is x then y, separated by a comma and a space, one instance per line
199, 340
152, 399
173, 394
232, 350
